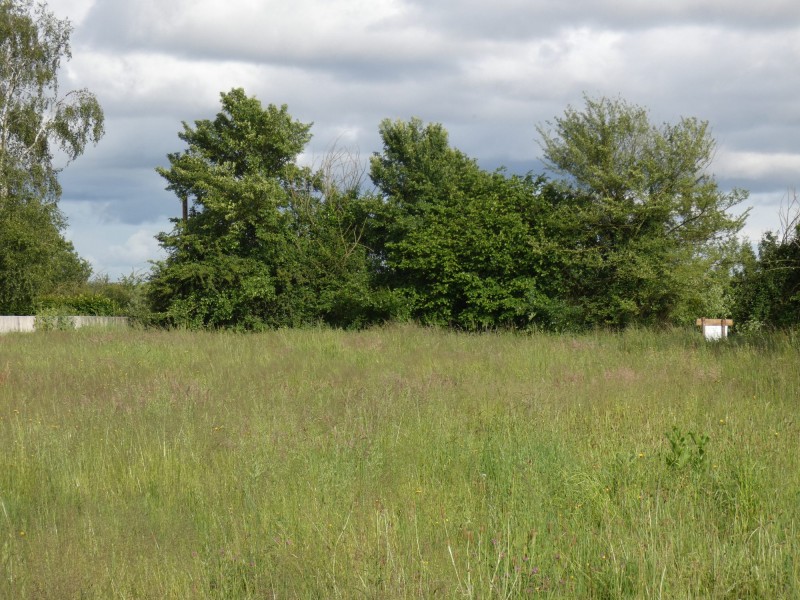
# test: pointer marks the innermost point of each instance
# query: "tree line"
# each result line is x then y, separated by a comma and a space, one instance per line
626, 227
630, 229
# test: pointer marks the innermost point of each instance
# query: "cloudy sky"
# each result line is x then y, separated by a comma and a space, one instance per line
488, 71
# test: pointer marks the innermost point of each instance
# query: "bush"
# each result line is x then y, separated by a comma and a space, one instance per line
78, 304
53, 320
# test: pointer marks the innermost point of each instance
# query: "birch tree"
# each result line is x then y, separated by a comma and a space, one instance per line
42, 130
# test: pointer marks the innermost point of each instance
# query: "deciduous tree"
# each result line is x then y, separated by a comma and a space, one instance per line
462, 246
643, 224
767, 286
36, 122
265, 242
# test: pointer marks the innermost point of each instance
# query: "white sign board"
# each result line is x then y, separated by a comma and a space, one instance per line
714, 329
715, 332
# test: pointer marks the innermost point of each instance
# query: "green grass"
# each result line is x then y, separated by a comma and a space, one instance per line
398, 463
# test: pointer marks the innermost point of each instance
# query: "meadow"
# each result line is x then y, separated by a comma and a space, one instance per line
398, 462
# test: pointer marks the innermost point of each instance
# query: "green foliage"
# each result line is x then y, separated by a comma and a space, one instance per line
35, 120
35, 259
636, 233
266, 243
226, 263
99, 296
331, 258
463, 247
54, 319
80, 304
642, 228
767, 285
128, 293
682, 453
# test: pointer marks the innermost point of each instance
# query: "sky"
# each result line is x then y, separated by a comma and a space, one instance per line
489, 72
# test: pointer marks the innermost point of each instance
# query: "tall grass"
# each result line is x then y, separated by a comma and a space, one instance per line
398, 463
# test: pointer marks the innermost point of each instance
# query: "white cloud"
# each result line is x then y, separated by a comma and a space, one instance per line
154, 84
138, 248
767, 213
303, 32
548, 67
780, 167
489, 72
74, 10
111, 247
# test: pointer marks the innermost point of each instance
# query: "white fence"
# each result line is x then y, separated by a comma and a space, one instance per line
28, 323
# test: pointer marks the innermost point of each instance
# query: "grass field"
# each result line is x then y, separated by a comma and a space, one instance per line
398, 463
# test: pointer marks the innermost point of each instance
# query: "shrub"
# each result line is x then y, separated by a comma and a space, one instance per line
78, 304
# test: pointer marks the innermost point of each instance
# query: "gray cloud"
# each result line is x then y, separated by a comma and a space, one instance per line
521, 19
489, 72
